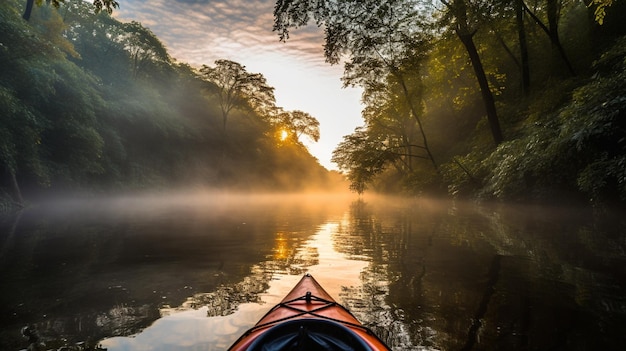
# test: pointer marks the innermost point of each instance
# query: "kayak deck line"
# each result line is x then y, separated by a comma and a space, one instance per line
308, 318
308, 298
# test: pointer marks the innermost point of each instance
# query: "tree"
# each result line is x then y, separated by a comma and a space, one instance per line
300, 123
388, 116
103, 43
363, 156
236, 88
553, 10
523, 45
390, 30
99, 5
382, 39
465, 25
390, 139
20, 138
26, 81
144, 47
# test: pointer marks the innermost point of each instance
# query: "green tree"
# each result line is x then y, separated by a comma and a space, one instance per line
102, 41
237, 88
553, 9
20, 140
300, 123
363, 156
355, 27
465, 21
391, 134
99, 5
26, 82
383, 40
72, 141
144, 47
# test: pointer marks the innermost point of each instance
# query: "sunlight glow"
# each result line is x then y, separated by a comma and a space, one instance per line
281, 251
283, 135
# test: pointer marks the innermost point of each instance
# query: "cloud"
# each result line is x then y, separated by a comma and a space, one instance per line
197, 30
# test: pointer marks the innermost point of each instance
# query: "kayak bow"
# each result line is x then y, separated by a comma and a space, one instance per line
308, 319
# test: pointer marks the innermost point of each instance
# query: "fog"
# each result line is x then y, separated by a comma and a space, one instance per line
145, 270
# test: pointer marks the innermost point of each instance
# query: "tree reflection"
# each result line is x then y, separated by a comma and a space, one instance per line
427, 274
466, 277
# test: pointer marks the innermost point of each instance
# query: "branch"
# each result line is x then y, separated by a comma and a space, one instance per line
472, 178
537, 20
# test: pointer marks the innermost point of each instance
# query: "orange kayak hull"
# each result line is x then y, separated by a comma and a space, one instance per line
307, 306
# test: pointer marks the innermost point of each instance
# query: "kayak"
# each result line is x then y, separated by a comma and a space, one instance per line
308, 319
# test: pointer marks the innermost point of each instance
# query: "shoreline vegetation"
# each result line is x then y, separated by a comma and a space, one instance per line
92, 105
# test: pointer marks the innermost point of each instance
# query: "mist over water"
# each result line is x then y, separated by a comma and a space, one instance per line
194, 270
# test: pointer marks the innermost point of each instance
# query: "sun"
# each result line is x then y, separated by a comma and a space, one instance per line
283, 135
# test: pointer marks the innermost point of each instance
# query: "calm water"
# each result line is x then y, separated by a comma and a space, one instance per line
193, 272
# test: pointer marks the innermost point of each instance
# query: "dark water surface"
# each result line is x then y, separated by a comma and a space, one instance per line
193, 272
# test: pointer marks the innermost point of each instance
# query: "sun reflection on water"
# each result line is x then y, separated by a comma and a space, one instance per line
214, 320
281, 250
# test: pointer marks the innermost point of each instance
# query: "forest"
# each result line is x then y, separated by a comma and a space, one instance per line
518, 100
498, 100
91, 105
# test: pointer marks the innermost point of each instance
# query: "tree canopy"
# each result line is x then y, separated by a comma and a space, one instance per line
89, 103
235, 87
507, 100
98, 5
442, 78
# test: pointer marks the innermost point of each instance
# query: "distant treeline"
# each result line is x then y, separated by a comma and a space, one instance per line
88, 103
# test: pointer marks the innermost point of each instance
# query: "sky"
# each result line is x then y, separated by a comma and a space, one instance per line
199, 32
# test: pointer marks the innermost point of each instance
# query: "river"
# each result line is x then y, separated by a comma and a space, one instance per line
194, 271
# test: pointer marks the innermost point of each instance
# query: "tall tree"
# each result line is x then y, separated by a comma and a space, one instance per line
553, 10
390, 138
381, 38
363, 155
465, 24
144, 47
300, 124
523, 45
237, 88
387, 29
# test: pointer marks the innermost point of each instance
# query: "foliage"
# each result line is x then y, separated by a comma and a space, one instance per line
438, 62
143, 46
88, 103
385, 44
298, 123
98, 5
600, 10
107, 5
579, 147
237, 88
364, 156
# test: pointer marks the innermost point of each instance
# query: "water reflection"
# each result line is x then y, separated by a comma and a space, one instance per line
235, 308
424, 275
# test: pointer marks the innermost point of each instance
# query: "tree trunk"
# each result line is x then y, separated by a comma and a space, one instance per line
488, 100
17, 194
28, 10
407, 96
553, 25
459, 8
523, 45
552, 32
